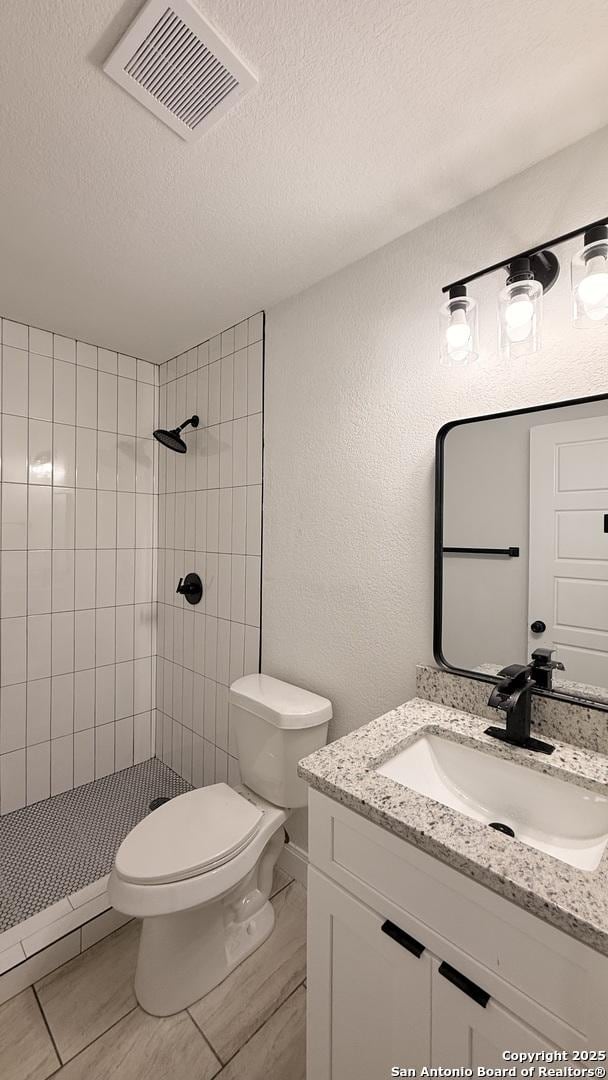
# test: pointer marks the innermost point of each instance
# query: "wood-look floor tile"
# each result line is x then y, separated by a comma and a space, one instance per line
235, 1009
26, 1051
142, 1047
277, 1050
85, 997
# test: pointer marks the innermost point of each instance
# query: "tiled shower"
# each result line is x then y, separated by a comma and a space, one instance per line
210, 505
95, 675
78, 526
103, 666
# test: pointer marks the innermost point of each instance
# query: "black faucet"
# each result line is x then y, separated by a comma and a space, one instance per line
513, 696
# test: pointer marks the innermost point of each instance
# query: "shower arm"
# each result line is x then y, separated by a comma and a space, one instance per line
191, 420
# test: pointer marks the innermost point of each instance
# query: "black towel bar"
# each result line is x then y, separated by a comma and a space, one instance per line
512, 552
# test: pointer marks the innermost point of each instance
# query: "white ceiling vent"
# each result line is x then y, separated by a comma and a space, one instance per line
172, 61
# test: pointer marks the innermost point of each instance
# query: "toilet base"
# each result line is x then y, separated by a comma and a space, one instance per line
184, 956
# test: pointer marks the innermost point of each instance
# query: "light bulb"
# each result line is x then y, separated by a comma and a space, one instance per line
596, 314
458, 332
593, 289
519, 311
589, 273
518, 317
459, 327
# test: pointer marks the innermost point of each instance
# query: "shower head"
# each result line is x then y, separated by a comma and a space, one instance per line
172, 439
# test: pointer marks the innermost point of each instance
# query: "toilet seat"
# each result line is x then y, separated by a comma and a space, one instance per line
188, 836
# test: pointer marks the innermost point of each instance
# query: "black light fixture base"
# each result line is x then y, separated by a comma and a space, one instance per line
597, 232
545, 267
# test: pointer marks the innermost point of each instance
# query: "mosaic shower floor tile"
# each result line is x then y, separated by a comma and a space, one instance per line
56, 847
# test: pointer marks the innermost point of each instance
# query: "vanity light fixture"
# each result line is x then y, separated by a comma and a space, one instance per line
520, 306
530, 275
459, 337
520, 303
589, 272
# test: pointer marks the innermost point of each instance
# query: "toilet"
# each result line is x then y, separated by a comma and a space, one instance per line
198, 870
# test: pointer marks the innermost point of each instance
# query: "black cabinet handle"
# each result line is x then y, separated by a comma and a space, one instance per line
467, 986
405, 940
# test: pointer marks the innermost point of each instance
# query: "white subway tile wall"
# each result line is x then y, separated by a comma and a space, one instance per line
209, 521
78, 520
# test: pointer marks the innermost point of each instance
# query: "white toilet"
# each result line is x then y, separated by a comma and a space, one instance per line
199, 869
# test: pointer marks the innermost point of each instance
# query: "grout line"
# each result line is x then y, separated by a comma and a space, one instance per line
47, 1026
27, 564
202, 1033
283, 887
73, 599
263, 462
75, 1057
262, 1025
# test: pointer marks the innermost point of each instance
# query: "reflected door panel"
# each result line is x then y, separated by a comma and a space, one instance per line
569, 544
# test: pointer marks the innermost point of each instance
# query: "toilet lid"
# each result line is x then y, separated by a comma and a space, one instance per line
188, 835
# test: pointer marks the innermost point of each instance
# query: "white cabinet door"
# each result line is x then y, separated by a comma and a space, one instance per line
465, 1033
369, 997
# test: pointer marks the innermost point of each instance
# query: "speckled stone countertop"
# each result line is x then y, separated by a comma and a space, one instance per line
573, 900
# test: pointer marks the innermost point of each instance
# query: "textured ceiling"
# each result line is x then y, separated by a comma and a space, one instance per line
371, 117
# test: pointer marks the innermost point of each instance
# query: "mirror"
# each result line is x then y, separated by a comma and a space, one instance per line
521, 544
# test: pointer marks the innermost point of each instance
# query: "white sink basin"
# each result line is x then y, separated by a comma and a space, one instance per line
562, 819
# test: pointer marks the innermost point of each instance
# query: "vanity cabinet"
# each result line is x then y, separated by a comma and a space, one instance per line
467, 1033
368, 995
411, 963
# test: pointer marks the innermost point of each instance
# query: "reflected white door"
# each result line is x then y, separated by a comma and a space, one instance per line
569, 544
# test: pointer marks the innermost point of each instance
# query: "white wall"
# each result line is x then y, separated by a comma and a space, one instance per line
354, 397
77, 596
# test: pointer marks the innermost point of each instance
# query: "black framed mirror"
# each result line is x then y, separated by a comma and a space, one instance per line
521, 544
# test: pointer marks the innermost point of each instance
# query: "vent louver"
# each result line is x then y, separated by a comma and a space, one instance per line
176, 65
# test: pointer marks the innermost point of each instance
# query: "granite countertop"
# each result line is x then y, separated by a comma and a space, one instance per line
573, 900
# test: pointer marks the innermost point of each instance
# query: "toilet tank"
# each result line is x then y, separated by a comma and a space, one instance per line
275, 725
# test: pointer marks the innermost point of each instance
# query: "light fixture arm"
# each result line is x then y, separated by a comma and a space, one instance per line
539, 250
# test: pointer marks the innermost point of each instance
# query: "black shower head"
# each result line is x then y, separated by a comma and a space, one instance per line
172, 439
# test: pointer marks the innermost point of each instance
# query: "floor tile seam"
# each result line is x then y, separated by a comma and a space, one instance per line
47, 1027
200, 1032
83, 1049
253, 1033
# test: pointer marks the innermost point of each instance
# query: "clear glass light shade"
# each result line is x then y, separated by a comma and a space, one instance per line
590, 286
519, 318
459, 336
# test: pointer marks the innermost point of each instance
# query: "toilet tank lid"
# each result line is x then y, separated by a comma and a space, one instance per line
280, 703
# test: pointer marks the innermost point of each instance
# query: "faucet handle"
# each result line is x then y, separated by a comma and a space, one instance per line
514, 679
543, 666
516, 674
541, 658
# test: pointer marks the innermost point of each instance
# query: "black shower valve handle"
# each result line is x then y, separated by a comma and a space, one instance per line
191, 587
